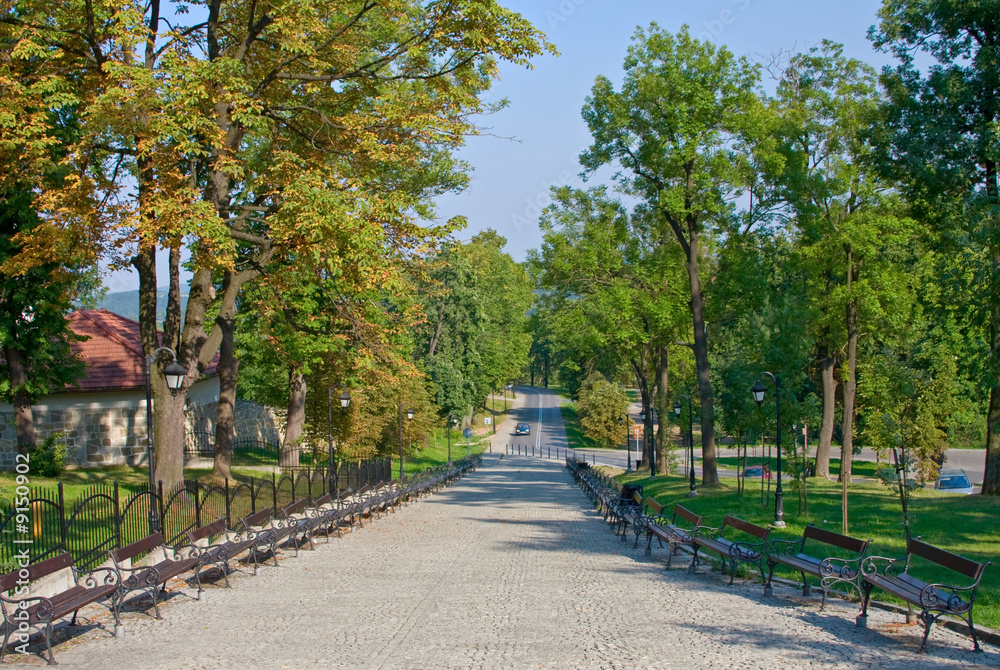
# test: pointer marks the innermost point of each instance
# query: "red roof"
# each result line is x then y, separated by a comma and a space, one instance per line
113, 352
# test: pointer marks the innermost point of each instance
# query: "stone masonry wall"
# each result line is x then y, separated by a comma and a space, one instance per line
117, 435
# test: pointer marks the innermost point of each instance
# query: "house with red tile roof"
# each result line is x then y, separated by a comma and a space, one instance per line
103, 416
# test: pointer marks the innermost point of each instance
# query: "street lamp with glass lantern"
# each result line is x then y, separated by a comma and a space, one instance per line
345, 402
409, 417
451, 420
677, 411
758, 390
174, 375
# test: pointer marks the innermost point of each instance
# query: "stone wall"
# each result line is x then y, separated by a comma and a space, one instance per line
111, 436
116, 435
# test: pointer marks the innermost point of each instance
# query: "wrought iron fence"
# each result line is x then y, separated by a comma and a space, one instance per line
109, 516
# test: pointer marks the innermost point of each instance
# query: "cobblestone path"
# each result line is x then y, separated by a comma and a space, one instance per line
509, 568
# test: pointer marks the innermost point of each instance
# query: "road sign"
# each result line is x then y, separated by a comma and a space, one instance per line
488, 420
467, 433
636, 432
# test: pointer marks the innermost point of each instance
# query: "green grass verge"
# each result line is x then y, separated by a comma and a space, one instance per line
965, 525
574, 434
865, 469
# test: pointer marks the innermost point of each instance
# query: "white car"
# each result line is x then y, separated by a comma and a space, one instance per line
954, 481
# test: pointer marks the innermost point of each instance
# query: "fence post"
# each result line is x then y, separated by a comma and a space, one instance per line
229, 507
274, 492
197, 506
62, 516
253, 497
163, 510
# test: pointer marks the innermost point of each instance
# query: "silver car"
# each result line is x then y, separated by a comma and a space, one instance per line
954, 481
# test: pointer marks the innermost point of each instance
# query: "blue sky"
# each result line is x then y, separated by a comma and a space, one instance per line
512, 178
535, 142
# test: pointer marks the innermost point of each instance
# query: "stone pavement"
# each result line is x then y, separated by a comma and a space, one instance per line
509, 568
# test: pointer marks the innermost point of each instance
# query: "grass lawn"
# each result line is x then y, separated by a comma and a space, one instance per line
865, 469
965, 525
574, 434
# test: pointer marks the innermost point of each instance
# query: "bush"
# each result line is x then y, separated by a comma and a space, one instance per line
48, 459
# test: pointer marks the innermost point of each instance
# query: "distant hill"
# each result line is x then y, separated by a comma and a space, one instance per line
126, 303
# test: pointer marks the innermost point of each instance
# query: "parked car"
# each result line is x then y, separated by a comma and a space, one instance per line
954, 481
757, 471
522, 429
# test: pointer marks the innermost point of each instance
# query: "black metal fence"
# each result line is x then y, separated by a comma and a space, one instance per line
108, 516
200, 444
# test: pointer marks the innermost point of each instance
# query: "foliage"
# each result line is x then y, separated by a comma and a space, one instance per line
603, 411
48, 459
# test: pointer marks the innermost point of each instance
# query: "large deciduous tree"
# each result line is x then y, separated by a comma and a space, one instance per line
245, 131
682, 130
940, 138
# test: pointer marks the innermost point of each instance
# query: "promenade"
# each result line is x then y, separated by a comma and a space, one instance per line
509, 568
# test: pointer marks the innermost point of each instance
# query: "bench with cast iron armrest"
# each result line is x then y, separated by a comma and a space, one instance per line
257, 526
892, 575
632, 512
670, 530
732, 553
151, 578
22, 612
219, 546
816, 561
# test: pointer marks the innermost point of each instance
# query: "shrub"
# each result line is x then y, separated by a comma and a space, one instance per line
48, 459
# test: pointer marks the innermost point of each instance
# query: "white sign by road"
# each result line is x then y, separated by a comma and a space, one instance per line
488, 420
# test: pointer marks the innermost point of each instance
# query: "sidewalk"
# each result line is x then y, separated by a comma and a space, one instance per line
510, 568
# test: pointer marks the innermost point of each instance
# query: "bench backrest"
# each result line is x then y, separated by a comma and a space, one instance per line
654, 507
325, 499
946, 558
295, 507
836, 539
637, 497
258, 518
36, 571
207, 531
686, 514
136, 549
746, 527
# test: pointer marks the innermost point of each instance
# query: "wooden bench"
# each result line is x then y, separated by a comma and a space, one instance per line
733, 553
893, 576
668, 530
152, 578
22, 612
219, 545
817, 561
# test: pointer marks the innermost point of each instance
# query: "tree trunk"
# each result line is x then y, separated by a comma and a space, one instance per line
228, 368
642, 383
851, 385
710, 474
296, 420
24, 425
663, 395
991, 473
827, 365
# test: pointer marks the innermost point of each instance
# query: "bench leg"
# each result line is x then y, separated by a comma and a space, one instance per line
866, 592
694, 561
47, 631
770, 574
806, 590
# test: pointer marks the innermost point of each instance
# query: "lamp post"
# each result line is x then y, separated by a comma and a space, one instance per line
677, 411
758, 391
174, 374
451, 420
345, 401
409, 417
628, 447
510, 388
